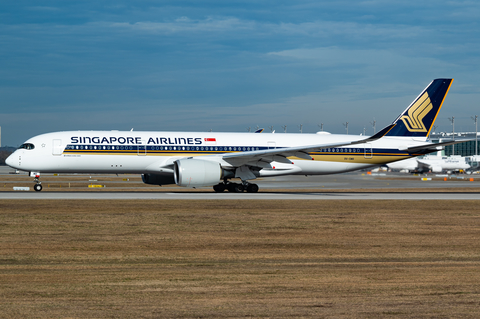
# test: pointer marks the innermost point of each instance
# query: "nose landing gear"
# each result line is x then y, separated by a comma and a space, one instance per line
38, 185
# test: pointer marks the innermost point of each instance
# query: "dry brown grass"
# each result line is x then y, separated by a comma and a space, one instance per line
194, 259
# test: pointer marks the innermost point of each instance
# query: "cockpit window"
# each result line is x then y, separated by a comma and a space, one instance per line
27, 146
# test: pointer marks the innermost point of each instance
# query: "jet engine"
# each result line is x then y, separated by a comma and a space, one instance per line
190, 172
158, 179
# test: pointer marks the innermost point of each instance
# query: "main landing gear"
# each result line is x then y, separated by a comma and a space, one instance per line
38, 185
236, 187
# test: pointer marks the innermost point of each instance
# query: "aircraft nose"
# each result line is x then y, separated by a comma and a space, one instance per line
9, 160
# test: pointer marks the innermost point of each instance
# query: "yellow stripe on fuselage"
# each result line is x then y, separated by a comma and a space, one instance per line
361, 158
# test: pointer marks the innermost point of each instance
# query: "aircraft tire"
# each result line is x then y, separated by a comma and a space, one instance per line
37, 187
239, 188
252, 188
219, 188
231, 187
235, 188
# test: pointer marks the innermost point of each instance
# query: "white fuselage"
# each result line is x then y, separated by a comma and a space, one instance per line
152, 152
433, 163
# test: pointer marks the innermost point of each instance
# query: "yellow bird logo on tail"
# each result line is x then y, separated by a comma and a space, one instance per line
414, 119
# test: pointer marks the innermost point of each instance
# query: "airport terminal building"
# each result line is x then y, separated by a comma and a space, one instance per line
462, 149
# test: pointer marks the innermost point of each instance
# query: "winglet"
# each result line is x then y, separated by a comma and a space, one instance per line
417, 120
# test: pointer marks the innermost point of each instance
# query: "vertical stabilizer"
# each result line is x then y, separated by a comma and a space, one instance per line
417, 120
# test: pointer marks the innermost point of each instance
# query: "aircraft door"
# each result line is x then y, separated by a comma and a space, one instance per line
368, 151
57, 147
142, 149
272, 145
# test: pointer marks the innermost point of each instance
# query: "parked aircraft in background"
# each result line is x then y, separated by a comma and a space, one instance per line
405, 166
212, 159
431, 163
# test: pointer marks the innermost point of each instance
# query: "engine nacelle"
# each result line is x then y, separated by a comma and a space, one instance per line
158, 179
190, 172
436, 169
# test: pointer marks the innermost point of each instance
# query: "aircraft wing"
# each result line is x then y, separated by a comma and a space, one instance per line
423, 165
255, 158
433, 147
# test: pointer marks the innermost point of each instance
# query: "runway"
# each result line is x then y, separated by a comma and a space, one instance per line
235, 196
363, 186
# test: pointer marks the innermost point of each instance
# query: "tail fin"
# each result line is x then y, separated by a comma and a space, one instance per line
417, 120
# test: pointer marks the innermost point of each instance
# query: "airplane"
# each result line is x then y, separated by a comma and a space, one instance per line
433, 163
198, 159
405, 165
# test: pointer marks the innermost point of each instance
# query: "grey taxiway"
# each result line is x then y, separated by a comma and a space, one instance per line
393, 186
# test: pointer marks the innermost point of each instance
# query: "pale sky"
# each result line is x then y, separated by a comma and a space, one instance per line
230, 65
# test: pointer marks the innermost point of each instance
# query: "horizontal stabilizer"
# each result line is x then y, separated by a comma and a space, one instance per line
433, 147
